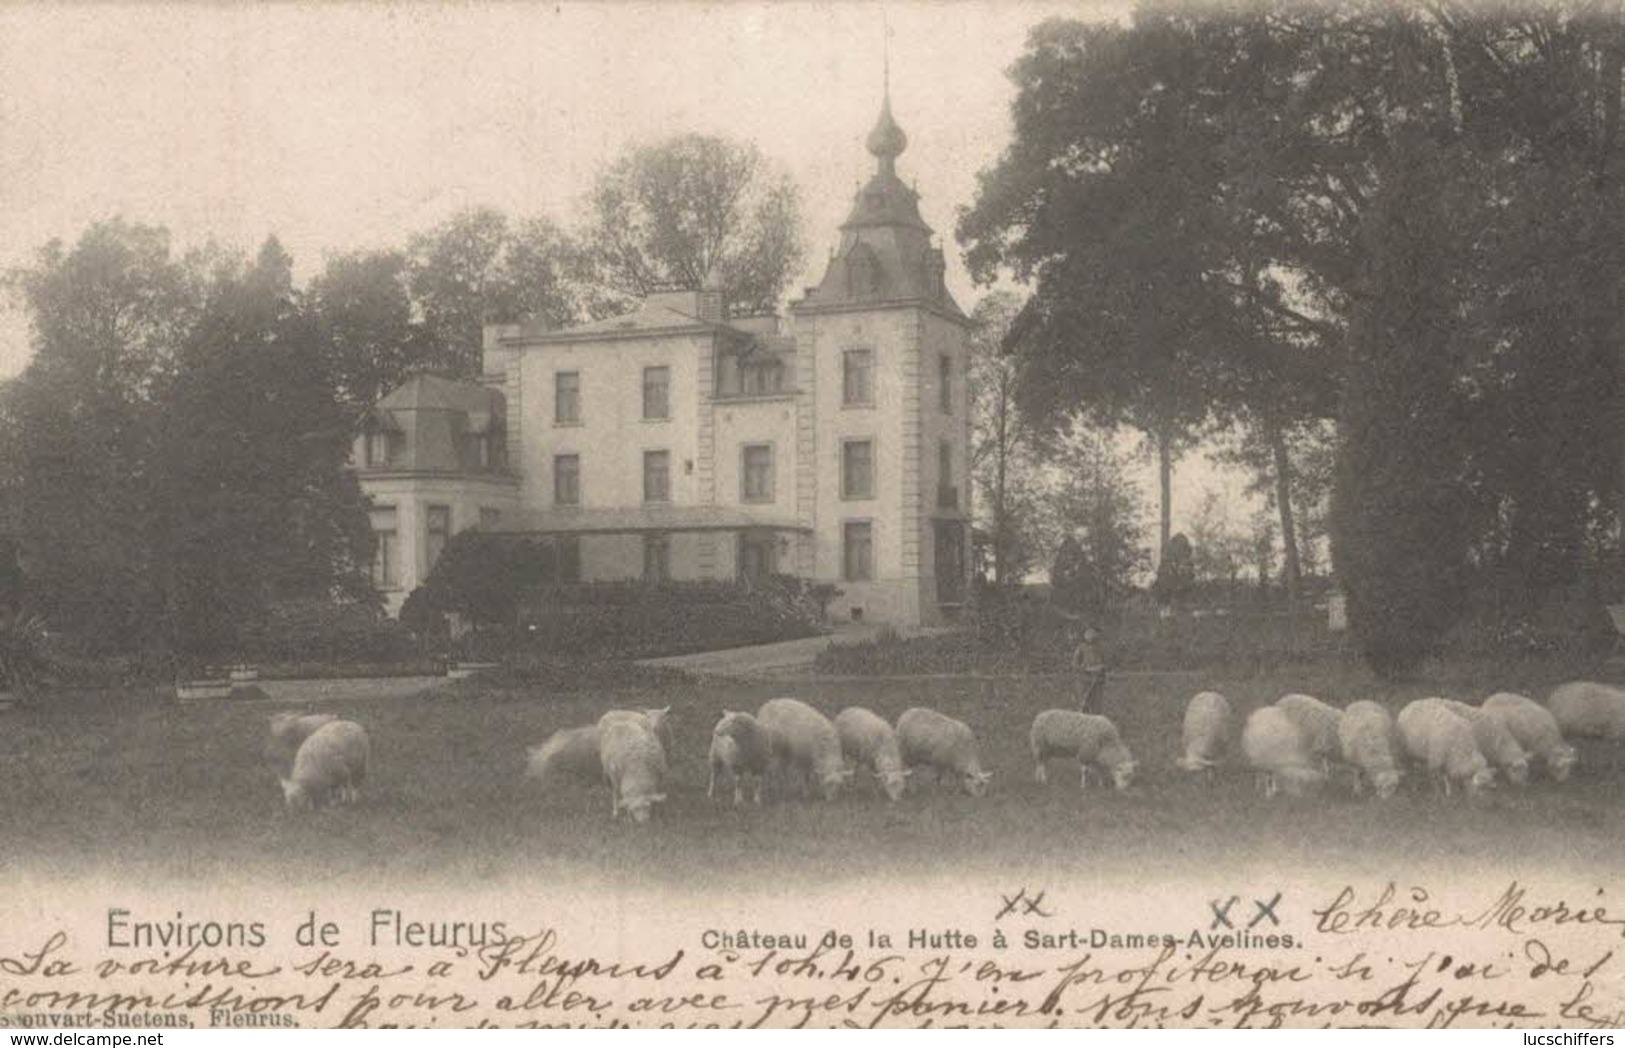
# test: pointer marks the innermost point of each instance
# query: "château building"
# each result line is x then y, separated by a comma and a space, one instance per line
680, 441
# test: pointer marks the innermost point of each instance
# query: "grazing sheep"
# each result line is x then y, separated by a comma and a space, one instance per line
1318, 722
1365, 738
1277, 750
659, 721
1442, 741
286, 733
1206, 733
934, 740
1495, 742
330, 766
571, 753
1088, 737
739, 747
634, 763
868, 741
1586, 709
1536, 731
803, 741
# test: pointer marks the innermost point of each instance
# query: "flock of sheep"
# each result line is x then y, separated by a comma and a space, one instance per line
1297, 745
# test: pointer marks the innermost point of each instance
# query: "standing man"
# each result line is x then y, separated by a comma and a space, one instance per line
1089, 663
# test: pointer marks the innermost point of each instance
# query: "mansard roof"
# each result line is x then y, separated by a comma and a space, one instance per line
885, 253
439, 393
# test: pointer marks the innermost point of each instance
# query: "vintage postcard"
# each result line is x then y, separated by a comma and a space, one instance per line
830, 515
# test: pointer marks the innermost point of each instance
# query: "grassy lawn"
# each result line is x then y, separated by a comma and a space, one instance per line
181, 792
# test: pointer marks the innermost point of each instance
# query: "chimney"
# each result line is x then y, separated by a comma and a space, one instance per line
711, 303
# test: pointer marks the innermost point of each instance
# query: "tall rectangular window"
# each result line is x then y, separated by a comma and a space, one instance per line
569, 551
378, 447
857, 551
657, 393
762, 376
657, 476
858, 378
756, 473
386, 549
567, 397
858, 469
656, 558
758, 555
945, 383
567, 480
947, 492
436, 532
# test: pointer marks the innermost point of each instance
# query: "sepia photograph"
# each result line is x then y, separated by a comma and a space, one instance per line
1093, 514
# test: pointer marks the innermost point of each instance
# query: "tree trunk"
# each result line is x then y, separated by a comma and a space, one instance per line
1283, 500
1165, 480
1001, 537
1612, 85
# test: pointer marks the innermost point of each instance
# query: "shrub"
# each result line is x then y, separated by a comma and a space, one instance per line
327, 631
1566, 628
1176, 573
635, 620
419, 614
1024, 636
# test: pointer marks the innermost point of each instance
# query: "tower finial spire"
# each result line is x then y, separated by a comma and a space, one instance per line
887, 141
885, 56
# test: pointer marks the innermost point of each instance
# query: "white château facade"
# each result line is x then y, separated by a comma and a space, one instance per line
681, 442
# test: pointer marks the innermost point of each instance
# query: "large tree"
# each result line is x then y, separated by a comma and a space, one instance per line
257, 504
1100, 202
363, 311
173, 457
1093, 500
107, 315
1233, 166
480, 267
1003, 460
693, 207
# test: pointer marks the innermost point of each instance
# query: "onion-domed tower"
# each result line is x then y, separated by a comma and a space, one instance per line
883, 422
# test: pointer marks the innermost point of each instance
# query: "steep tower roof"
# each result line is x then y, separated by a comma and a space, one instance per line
885, 252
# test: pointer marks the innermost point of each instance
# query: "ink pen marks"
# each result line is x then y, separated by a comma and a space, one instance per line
1022, 905
1262, 908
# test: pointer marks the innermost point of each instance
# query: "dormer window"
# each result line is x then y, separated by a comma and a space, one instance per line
762, 376
863, 273
378, 447
753, 373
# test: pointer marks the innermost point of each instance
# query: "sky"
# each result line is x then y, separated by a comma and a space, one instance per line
349, 125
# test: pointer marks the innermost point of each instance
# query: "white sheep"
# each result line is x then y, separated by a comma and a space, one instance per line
1318, 722
1088, 737
286, 733
658, 721
1586, 709
1275, 748
867, 741
1442, 741
1495, 742
634, 764
331, 765
739, 747
1536, 731
934, 740
1365, 738
571, 753
802, 741
1206, 732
